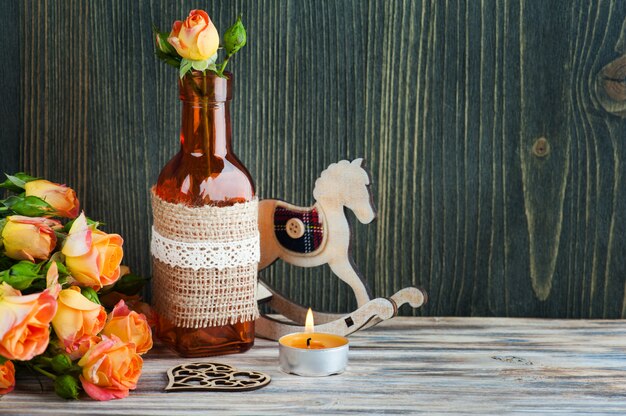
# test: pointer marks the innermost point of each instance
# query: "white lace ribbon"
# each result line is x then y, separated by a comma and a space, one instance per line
205, 254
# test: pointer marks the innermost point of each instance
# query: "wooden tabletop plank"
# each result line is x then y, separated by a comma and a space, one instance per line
403, 366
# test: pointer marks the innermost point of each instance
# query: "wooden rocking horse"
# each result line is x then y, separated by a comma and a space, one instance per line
317, 235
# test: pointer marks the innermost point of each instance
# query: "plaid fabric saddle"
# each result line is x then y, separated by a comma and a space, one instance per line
300, 231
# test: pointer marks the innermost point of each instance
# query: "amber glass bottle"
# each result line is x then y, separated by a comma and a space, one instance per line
205, 172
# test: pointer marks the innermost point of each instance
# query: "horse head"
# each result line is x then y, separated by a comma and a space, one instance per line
347, 184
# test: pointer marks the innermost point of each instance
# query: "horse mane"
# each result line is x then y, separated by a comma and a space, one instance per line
340, 178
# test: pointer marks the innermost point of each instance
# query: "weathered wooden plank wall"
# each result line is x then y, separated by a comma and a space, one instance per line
499, 175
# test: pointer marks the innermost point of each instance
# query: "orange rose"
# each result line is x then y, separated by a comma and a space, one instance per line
27, 238
129, 326
7, 377
24, 326
60, 197
196, 38
77, 320
110, 369
92, 257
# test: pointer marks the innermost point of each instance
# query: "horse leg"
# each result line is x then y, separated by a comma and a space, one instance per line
346, 271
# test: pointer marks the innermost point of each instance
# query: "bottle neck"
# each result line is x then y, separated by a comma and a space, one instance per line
205, 129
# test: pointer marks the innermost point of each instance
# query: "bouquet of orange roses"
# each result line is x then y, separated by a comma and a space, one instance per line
58, 275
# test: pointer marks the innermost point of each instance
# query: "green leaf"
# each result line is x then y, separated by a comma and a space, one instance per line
16, 182
200, 65
22, 275
234, 38
130, 284
185, 66
169, 59
6, 262
90, 294
31, 206
162, 43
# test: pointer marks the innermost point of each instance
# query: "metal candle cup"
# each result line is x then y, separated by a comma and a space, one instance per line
313, 354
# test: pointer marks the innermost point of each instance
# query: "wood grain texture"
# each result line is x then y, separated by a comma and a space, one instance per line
403, 366
10, 97
446, 100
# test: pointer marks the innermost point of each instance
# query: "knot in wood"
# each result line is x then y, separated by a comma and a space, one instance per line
611, 87
541, 147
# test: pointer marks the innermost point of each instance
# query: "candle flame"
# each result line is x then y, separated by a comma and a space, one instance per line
309, 325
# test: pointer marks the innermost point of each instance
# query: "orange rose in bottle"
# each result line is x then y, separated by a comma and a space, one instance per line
7, 377
92, 256
196, 38
110, 369
60, 197
27, 238
77, 319
129, 326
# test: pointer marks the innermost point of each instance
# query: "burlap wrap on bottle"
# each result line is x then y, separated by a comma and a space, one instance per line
205, 263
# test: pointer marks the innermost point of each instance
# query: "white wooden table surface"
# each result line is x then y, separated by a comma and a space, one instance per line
403, 366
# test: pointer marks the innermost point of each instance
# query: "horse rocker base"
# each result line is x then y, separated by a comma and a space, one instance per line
317, 235
368, 315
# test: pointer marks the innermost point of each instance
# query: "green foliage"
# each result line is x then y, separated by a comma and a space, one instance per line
22, 275
185, 66
130, 284
16, 182
90, 294
163, 50
30, 206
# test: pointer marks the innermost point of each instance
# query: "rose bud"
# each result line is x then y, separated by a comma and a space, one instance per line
27, 238
60, 197
196, 38
66, 387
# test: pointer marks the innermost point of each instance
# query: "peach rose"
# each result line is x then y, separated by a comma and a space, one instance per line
60, 197
27, 238
129, 326
196, 38
24, 327
92, 257
77, 319
110, 369
7, 377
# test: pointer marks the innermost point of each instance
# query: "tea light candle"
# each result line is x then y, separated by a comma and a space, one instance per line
312, 354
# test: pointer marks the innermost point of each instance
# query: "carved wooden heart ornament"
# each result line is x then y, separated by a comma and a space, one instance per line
206, 376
